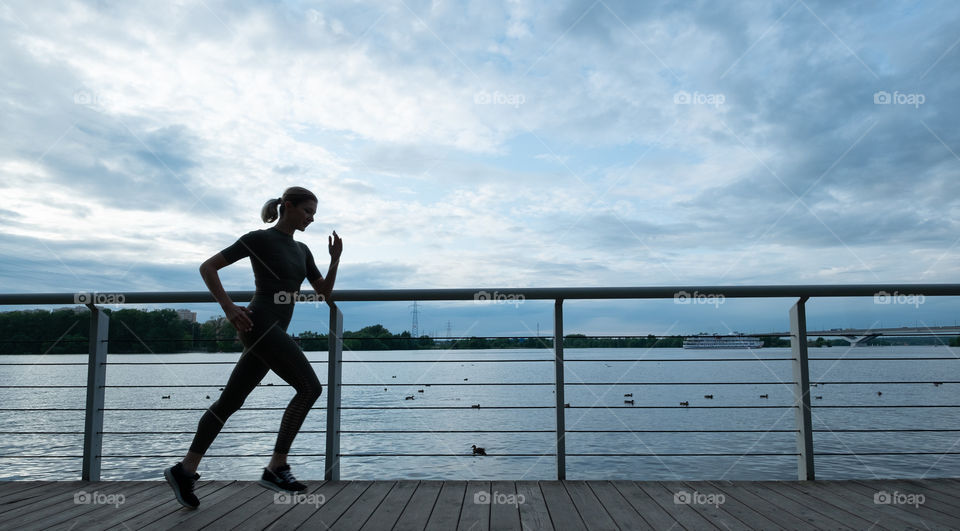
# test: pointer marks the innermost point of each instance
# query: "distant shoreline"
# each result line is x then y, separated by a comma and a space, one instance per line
167, 332
812, 346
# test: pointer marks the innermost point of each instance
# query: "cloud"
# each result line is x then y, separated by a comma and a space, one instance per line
545, 143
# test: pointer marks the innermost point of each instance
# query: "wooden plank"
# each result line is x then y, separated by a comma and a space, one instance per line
838, 510
245, 492
162, 502
505, 506
945, 487
920, 514
444, 505
621, 512
562, 512
210, 503
858, 504
641, 502
41, 506
591, 510
685, 515
417, 512
446, 512
950, 481
739, 510
533, 510
77, 512
171, 506
266, 512
706, 500
240, 515
302, 504
929, 489
247, 515
322, 518
935, 499
7, 486
736, 490
36, 491
134, 504
475, 508
28, 491
814, 516
361, 510
387, 514
822, 503
11, 488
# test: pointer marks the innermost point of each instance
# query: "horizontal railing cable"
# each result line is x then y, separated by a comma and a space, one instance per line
467, 454
273, 432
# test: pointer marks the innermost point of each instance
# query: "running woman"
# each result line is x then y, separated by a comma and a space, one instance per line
279, 266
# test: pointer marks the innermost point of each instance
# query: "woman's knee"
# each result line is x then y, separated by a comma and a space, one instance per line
310, 390
225, 406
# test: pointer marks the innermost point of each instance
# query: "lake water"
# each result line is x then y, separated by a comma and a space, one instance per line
655, 381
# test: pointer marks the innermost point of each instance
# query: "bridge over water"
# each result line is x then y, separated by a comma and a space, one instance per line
858, 336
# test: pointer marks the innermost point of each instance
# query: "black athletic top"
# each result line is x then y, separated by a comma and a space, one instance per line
280, 264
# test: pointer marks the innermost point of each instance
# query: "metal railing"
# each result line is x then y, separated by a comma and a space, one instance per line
800, 384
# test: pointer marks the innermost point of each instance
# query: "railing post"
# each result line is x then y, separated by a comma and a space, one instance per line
801, 390
334, 373
96, 376
558, 366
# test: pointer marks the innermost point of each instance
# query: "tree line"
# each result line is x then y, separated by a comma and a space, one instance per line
66, 331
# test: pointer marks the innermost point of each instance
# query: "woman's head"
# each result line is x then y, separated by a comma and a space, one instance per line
303, 201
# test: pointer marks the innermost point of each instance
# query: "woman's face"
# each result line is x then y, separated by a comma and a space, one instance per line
301, 215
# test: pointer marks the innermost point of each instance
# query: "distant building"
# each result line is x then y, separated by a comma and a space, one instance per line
187, 315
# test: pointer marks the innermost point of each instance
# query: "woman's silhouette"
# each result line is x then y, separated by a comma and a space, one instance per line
280, 265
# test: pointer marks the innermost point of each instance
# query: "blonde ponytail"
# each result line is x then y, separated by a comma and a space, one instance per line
269, 211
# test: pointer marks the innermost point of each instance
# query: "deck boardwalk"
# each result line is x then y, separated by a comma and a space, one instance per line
490, 505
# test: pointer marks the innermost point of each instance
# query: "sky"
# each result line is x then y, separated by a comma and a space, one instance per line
484, 145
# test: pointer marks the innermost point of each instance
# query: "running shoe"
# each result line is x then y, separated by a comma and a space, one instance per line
281, 481
182, 484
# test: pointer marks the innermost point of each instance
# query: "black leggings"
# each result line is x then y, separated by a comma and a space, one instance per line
263, 351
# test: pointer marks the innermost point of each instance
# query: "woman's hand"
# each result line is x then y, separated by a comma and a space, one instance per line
240, 317
335, 245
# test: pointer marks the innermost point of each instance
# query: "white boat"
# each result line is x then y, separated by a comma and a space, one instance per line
735, 340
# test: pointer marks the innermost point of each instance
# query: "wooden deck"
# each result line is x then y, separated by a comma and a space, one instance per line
447, 505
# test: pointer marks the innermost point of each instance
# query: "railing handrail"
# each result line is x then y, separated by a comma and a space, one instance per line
452, 294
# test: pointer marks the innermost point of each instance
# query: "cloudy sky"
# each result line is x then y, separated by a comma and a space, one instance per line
520, 144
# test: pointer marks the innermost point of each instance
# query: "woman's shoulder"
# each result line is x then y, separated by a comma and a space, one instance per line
255, 233
254, 236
